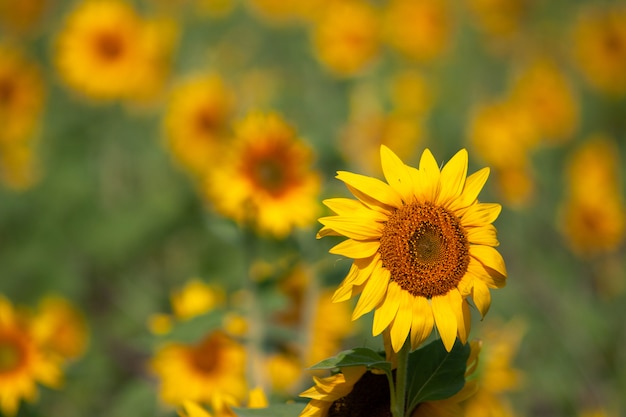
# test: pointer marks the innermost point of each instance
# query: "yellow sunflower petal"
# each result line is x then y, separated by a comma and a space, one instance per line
388, 309
481, 297
401, 326
485, 235
481, 214
354, 228
490, 277
429, 181
473, 185
354, 208
489, 257
458, 305
423, 321
372, 187
373, 293
360, 271
396, 173
355, 249
453, 177
445, 319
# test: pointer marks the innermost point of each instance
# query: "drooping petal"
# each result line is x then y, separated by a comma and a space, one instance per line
445, 319
373, 293
354, 249
429, 180
372, 187
326, 231
401, 325
481, 297
453, 177
482, 235
489, 257
481, 214
480, 272
423, 321
385, 314
354, 228
396, 173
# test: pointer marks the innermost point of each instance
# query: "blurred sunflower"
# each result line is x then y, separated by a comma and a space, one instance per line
346, 36
548, 97
197, 121
22, 16
419, 29
212, 369
19, 166
60, 327
498, 17
599, 47
220, 408
265, 177
22, 95
106, 51
421, 244
23, 363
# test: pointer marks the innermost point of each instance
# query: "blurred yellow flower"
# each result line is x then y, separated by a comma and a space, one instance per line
22, 16
411, 93
546, 94
22, 95
106, 51
160, 323
221, 406
284, 371
19, 166
196, 298
421, 244
346, 37
60, 327
516, 185
202, 372
599, 47
495, 376
497, 17
23, 363
281, 12
593, 215
419, 29
265, 178
198, 120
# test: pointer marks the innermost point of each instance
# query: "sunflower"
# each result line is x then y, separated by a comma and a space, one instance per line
201, 372
421, 244
266, 180
22, 362
197, 120
106, 51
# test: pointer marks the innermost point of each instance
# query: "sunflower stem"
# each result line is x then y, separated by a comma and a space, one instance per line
398, 403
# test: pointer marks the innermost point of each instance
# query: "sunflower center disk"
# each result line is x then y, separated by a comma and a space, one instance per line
425, 248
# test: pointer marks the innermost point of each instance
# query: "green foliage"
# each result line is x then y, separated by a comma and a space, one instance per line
359, 356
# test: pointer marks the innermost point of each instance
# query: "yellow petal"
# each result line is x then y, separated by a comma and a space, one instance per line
490, 277
373, 292
445, 319
386, 312
457, 303
354, 208
482, 235
429, 182
396, 174
372, 187
360, 271
326, 231
422, 324
371, 202
473, 185
401, 325
481, 297
453, 177
355, 249
481, 214
354, 228
489, 257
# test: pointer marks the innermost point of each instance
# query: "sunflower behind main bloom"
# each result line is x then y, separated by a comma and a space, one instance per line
265, 178
421, 244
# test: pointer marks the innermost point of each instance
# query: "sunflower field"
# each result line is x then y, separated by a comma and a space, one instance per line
317, 208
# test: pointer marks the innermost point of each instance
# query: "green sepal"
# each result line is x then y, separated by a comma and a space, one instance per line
274, 410
434, 373
359, 356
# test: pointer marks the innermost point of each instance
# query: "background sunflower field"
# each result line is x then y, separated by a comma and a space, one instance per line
142, 232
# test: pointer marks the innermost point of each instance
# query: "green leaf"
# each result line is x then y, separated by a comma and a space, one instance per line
434, 373
355, 357
274, 410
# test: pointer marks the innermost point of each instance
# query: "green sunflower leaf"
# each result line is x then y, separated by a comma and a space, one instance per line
274, 410
435, 374
359, 356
